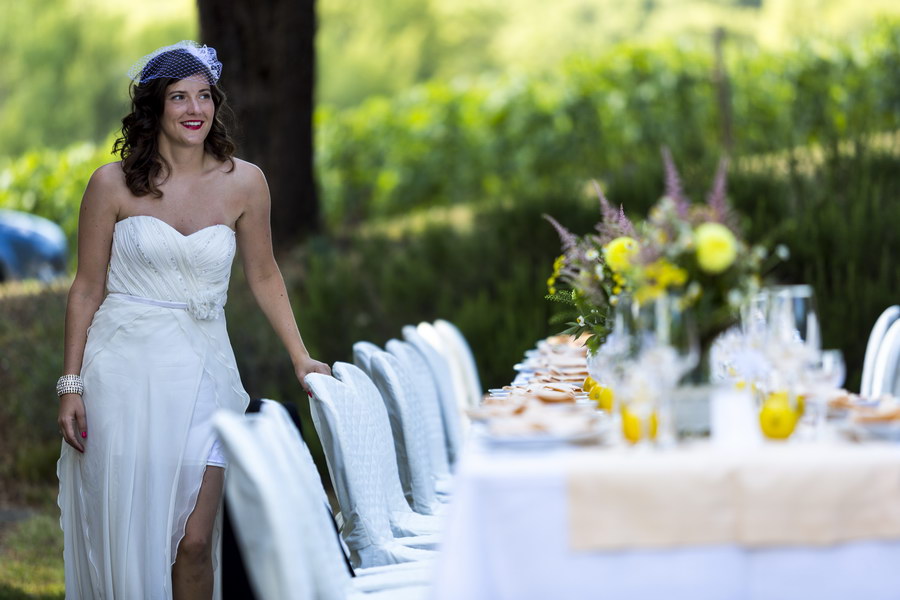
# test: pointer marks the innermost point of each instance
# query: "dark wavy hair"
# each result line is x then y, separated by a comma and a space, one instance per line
138, 144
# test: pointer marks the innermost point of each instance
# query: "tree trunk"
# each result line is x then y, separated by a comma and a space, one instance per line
268, 55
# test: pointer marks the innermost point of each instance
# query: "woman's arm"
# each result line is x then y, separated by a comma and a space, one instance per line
96, 221
254, 236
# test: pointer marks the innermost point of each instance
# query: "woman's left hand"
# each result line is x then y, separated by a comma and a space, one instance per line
310, 365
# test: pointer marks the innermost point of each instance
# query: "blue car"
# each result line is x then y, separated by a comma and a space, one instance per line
31, 247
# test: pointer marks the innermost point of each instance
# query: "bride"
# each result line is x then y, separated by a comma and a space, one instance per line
147, 356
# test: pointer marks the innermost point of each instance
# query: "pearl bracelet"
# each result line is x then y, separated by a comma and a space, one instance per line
69, 384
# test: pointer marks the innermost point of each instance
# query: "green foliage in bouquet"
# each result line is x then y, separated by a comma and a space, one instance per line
693, 251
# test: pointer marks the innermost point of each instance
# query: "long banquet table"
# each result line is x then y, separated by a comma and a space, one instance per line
514, 531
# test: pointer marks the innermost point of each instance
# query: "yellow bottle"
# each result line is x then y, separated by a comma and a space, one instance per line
777, 417
632, 427
603, 396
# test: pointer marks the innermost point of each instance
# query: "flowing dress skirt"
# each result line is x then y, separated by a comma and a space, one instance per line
153, 378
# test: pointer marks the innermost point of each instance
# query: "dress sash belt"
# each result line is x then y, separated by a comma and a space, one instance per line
150, 301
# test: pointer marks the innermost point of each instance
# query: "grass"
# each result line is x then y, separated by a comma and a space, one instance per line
31, 563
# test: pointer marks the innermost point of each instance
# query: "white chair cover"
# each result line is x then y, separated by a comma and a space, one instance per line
356, 437
885, 378
362, 355
431, 335
259, 511
280, 436
404, 520
879, 330
462, 352
409, 430
440, 371
297, 488
428, 402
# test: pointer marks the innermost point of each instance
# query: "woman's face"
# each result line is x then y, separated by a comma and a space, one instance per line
188, 111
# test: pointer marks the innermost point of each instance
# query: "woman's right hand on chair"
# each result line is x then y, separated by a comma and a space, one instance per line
72, 422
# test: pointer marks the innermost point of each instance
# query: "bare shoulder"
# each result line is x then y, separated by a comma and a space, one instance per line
248, 176
107, 189
248, 185
109, 176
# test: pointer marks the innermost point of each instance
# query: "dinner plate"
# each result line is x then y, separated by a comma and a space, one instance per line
540, 441
881, 431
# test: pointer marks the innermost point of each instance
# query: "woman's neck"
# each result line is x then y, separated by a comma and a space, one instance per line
182, 159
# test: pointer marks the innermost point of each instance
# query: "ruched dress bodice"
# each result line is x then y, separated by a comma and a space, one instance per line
151, 259
157, 365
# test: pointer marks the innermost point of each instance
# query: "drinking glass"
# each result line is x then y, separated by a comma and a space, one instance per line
823, 377
792, 316
834, 369
664, 347
610, 362
754, 314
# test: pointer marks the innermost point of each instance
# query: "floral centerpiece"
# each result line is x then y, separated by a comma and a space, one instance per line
693, 251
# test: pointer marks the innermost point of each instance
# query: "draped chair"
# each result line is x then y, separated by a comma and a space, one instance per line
410, 430
290, 534
876, 337
886, 373
457, 345
434, 339
451, 410
356, 436
362, 356
404, 520
427, 401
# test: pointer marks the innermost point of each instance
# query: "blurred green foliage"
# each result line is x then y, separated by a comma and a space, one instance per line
440, 144
31, 566
32, 321
367, 49
64, 62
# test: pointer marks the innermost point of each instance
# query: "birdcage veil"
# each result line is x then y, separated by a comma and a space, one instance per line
183, 60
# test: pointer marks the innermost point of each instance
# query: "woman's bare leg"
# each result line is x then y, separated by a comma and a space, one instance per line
192, 573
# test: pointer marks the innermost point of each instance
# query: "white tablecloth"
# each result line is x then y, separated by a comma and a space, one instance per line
507, 539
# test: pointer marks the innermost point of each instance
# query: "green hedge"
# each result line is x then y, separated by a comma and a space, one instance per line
440, 144
32, 321
504, 138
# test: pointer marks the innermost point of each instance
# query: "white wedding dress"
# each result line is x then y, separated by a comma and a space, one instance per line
157, 364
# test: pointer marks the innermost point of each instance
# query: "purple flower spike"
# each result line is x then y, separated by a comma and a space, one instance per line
607, 212
568, 239
624, 223
673, 185
716, 199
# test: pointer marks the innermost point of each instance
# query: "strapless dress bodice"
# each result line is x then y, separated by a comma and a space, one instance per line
150, 259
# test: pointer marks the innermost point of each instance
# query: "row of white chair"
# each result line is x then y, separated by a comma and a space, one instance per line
880, 365
282, 518
391, 428
378, 524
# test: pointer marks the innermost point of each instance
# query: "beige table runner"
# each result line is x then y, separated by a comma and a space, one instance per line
780, 494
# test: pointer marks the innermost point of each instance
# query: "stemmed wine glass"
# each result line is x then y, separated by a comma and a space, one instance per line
825, 376
833, 368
